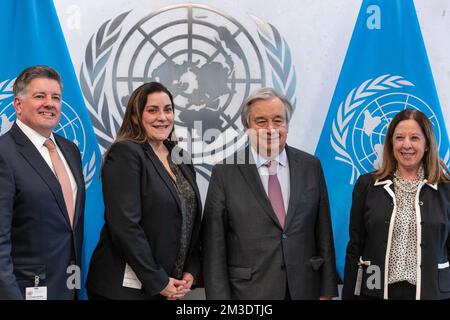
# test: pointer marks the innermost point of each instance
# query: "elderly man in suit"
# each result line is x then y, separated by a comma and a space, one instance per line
41, 195
267, 228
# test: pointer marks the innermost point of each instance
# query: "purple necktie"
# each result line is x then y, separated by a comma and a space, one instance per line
275, 194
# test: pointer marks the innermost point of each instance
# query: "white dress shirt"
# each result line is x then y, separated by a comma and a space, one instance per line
38, 141
282, 173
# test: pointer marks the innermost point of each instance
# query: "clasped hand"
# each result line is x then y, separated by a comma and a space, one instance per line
177, 289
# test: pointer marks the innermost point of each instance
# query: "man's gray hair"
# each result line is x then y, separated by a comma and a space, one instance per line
31, 73
263, 94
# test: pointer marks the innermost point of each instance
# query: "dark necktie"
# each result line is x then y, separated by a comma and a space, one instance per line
275, 194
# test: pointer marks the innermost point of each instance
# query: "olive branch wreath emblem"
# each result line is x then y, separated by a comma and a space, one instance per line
93, 75
6, 93
279, 56
98, 52
6, 89
347, 110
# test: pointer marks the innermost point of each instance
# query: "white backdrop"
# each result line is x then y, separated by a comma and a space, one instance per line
317, 31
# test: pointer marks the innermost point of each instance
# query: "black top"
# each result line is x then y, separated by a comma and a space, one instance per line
188, 202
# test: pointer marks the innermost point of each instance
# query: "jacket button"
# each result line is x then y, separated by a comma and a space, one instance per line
420, 203
392, 203
284, 236
386, 221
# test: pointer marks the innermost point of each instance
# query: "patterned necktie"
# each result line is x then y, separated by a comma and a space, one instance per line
63, 178
275, 194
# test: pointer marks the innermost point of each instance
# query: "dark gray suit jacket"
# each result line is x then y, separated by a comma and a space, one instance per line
247, 255
35, 233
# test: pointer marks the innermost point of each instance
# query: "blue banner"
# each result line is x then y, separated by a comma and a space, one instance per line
385, 70
31, 35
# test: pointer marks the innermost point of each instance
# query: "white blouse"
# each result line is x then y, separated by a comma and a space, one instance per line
403, 255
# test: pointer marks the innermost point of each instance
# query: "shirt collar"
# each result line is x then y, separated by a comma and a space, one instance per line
388, 181
36, 138
281, 158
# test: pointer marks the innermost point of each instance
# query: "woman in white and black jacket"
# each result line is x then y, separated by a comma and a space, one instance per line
399, 244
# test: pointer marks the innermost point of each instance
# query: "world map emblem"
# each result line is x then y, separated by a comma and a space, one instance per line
360, 126
206, 58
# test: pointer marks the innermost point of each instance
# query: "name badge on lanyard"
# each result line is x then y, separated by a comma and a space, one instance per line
36, 292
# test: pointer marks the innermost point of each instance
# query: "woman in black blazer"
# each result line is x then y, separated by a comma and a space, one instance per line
149, 246
399, 244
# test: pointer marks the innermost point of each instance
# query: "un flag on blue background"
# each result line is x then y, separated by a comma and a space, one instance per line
385, 70
30, 34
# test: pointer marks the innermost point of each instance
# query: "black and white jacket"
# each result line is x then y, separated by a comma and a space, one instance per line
371, 225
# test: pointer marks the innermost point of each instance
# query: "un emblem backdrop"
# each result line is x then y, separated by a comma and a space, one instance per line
207, 59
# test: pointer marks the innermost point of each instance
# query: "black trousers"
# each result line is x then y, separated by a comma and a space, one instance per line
397, 291
402, 291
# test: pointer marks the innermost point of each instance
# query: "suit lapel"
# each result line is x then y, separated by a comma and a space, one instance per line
162, 172
37, 162
295, 174
251, 176
72, 161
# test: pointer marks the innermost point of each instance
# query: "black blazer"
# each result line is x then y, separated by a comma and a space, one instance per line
370, 220
142, 224
247, 255
35, 233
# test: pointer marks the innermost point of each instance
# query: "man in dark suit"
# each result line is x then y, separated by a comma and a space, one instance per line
267, 228
41, 195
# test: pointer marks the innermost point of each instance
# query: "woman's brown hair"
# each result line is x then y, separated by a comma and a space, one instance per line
435, 169
132, 128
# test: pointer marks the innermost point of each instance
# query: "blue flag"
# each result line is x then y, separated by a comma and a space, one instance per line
31, 35
385, 70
